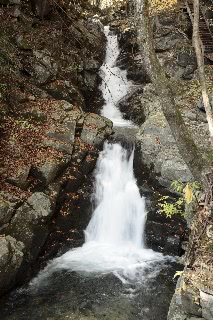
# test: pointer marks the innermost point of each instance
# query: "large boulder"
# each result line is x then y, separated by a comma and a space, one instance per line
95, 129
185, 58
30, 223
11, 257
206, 301
184, 304
158, 149
52, 168
41, 65
167, 38
132, 102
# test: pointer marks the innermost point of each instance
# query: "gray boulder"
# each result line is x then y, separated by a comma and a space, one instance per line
44, 66
52, 168
38, 207
8, 204
159, 149
95, 129
30, 223
21, 178
11, 257
206, 301
167, 38
186, 58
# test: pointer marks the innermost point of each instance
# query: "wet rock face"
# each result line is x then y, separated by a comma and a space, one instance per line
30, 225
164, 234
158, 148
129, 58
11, 257
190, 305
132, 102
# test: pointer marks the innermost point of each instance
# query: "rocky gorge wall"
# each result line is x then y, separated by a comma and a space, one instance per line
49, 143
157, 149
172, 37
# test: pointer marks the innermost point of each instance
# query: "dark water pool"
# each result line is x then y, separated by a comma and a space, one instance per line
69, 295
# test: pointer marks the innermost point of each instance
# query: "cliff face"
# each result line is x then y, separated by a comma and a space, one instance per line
193, 298
172, 39
49, 144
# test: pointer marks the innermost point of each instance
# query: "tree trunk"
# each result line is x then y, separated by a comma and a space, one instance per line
200, 61
185, 143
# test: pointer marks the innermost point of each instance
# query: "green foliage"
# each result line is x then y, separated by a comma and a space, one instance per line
170, 208
188, 192
177, 186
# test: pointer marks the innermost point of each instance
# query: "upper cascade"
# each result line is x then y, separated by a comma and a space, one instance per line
114, 84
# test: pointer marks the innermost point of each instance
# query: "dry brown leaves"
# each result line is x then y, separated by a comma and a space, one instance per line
21, 142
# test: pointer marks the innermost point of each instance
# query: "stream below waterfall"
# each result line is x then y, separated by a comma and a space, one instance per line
113, 276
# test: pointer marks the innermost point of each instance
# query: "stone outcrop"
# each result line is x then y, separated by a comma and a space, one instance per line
193, 298
158, 150
11, 258
50, 142
174, 49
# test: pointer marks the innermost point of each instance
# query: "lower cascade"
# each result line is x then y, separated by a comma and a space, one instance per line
114, 236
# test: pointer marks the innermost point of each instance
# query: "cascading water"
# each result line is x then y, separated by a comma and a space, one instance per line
114, 244
120, 211
114, 84
114, 236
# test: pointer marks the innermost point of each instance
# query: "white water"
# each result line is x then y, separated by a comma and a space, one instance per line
114, 84
120, 215
114, 237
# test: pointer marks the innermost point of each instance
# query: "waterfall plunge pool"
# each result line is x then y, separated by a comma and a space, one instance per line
113, 275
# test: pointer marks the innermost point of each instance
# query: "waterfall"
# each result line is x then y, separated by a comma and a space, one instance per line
114, 237
119, 216
114, 84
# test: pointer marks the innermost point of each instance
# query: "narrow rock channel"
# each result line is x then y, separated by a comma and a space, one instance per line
113, 276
